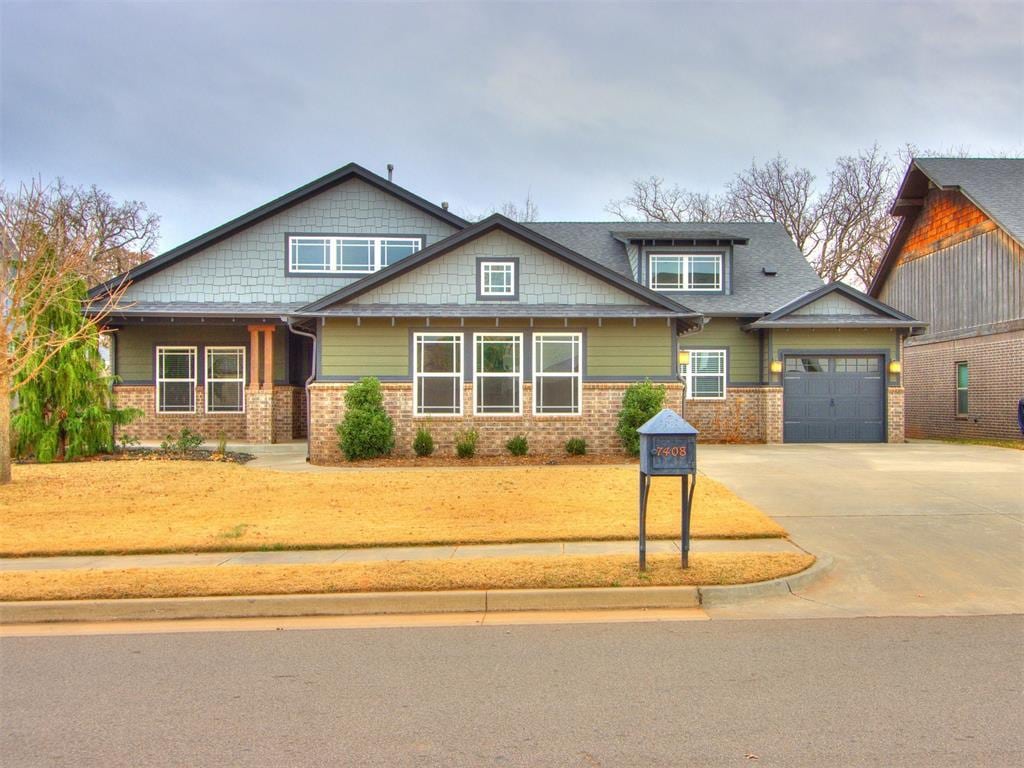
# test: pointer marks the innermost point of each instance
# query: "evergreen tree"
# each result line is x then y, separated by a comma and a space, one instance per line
66, 409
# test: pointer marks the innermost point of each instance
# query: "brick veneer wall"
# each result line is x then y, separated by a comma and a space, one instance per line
996, 381
740, 418
154, 426
895, 427
269, 417
946, 218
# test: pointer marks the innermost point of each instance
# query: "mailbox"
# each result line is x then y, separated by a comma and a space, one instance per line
668, 446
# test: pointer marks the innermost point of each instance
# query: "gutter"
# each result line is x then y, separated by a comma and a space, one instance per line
309, 410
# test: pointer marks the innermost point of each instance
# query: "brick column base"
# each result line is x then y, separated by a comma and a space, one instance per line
895, 415
259, 415
773, 415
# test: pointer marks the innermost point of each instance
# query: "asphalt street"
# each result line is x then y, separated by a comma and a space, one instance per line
850, 692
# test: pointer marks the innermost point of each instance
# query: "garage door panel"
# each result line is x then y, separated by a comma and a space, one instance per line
834, 399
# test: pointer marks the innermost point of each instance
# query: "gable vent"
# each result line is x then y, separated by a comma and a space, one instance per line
770, 271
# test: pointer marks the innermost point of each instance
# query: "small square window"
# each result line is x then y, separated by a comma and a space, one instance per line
497, 280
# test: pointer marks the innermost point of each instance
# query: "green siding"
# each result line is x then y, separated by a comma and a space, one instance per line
378, 348
830, 338
727, 333
136, 344
616, 348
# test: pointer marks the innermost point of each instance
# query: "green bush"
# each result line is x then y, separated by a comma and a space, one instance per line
366, 432
640, 402
518, 445
576, 446
423, 443
465, 443
186, 441
222, 443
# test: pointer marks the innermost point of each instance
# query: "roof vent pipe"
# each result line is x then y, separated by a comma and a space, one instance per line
444, 204
391, 170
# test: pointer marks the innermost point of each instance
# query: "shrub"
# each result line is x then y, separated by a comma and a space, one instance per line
576, 446
222, 443
518, 445
366, 432
423, 443
465, 443
186, 441
126, 441
640, 402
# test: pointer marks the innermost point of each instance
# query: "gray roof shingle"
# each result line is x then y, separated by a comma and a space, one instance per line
505, 309
994, 184
202, 308
754, 292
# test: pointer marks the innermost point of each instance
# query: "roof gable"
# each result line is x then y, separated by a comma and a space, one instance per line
835, 305
274, 207
372, 289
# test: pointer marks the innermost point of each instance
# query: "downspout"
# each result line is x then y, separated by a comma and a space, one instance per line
312, 376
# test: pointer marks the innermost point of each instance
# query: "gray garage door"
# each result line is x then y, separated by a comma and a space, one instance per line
834, 399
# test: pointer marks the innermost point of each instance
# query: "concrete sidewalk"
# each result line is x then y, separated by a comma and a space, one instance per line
324, 556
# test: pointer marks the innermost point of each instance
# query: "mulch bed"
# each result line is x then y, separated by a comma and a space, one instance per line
156, 454
501, 460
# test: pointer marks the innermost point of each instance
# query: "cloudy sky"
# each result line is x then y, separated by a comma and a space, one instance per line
205, 110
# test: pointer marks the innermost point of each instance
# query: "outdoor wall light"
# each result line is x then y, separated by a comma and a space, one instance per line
776, 366
895, 367
684, 357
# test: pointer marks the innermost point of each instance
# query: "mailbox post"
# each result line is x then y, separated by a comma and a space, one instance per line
668, 446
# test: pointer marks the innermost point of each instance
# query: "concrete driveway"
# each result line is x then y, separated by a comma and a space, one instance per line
915, 529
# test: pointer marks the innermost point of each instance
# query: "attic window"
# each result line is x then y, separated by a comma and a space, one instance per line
353, 255
685, 271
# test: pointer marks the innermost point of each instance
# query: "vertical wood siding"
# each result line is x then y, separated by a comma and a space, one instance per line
975, 282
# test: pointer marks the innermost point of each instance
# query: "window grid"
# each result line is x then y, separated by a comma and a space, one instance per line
322, 254
705, 375
422, 345
497, 278
481, 343
232, 380
685, 271
962, 382
176, 378
574, 406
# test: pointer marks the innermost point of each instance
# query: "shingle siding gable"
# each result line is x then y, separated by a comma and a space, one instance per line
249, 266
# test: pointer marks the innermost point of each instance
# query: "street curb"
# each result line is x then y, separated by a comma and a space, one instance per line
376, 603
782, 586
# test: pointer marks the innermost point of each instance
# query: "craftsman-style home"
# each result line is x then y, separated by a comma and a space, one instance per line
956, 261
256, 328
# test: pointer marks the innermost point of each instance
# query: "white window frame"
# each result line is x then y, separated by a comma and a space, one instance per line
489, 267
517, 339
687, 371
538, 339
459, 358
686, 271
207, 380
334, 245
176, 349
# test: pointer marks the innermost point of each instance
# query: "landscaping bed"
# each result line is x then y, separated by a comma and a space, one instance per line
706, 569
159, 454
138, 507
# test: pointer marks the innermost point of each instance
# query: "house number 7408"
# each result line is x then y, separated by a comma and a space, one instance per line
673, 450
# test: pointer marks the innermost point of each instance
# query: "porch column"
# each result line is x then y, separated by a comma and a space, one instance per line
259, 401
268, 357
254, 349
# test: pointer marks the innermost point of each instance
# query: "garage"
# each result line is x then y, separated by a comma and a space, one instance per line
834, 399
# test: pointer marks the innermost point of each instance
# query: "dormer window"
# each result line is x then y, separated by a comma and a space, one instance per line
347, 254
685, 271
497, 279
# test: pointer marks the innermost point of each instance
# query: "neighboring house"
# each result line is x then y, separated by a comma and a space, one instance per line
503, 327
956, 261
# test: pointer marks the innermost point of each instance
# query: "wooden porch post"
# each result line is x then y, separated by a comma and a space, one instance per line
268, 356
254, 350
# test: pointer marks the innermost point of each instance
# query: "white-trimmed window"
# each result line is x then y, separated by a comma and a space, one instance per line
497, 374
175, 379
685, 271
498, 279
962, 380
558, 374
705, 375
437, 374
313, 254
225, 379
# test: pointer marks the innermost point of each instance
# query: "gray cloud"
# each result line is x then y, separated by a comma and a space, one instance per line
205, 110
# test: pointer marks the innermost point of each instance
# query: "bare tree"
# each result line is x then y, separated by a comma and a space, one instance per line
842, 228
48, 242
521, 212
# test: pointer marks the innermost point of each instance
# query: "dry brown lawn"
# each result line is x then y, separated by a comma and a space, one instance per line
407, 575
138, 507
